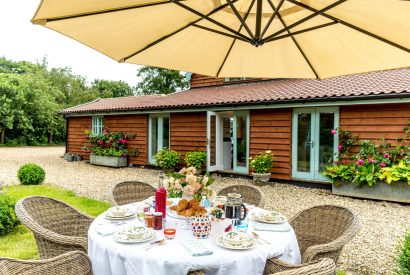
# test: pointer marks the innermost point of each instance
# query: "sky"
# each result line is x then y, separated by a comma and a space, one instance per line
21, 40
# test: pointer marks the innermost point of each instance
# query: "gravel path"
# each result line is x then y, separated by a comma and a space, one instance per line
371, 252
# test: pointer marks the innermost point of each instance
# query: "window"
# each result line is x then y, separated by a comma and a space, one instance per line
234, 79
98, 124
158, 138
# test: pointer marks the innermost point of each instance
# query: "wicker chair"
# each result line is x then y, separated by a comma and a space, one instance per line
70, 263
324, 266
130, 191
250, 194
57, 227
323, 230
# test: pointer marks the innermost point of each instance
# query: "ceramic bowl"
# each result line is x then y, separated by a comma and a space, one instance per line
235, 238
118, 211
136, 232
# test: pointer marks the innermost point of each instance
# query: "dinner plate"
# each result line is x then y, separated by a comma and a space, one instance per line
120, 237
279, 219
174, 214
127, 215
244, 246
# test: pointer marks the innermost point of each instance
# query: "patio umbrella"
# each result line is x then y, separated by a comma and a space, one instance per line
241, 38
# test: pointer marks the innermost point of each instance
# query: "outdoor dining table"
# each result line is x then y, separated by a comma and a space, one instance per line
109, 257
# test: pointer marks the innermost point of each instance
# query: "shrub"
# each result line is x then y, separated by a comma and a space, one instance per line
109, 143
403, 258
31, 174
8, 219
167, 159
262, 163
196, 159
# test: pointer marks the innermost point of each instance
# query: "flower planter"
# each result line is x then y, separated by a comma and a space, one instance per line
261, 177
397, 192
108, 161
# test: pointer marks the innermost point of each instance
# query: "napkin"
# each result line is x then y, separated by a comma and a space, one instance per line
106, 229
196, 247
282, 227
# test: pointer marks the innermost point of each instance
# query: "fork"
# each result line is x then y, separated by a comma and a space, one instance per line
160, 242
256, 235
147, 247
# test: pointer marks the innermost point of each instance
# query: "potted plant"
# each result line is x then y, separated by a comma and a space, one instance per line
188, 184
167, 159
261, 165
108, 148
196, 159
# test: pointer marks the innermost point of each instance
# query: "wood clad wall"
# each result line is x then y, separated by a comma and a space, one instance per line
272, 130
188, 132
374, 122
75, 135
198, 80
133, 124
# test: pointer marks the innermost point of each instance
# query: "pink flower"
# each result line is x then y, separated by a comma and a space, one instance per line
383, 164
333, 131
100, 142
339, 147
360, 162
123, 155
335, 162
386, 155
371, 161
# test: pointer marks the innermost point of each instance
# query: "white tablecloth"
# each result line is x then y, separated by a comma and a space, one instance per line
110, 257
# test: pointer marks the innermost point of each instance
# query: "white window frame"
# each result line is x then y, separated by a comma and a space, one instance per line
97, 124
160, 131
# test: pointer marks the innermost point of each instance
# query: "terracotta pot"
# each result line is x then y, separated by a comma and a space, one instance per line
201, 226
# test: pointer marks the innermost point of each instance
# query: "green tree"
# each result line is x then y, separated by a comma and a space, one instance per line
110, 88
159, 81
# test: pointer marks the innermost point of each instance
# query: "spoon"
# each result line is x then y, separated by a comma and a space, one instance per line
160, 242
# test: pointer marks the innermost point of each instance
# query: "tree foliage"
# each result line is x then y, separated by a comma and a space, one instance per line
31, 97
159, 81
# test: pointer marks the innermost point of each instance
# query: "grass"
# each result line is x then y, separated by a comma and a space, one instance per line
20, 242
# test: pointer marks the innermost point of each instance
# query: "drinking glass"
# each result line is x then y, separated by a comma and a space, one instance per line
141, 214
170, 229
242, 226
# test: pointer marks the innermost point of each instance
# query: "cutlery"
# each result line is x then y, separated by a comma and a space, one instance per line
162, 242
256, 235
153, 244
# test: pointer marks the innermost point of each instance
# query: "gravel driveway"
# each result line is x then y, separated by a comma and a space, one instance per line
371, 252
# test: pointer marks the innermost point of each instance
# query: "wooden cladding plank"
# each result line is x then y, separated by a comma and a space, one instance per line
270, 129
76, 136
188, 132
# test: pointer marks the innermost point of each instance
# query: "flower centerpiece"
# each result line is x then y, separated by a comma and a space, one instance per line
109, 148
187, 184
262, 164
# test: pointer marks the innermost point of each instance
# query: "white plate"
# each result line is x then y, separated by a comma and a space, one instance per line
280, 219
120, 237
127, 215
174, 214
244, 246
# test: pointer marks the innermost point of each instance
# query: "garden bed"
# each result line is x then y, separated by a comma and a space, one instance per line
397, 192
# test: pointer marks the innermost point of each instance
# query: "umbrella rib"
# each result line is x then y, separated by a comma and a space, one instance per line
173, 33
314, 14
240, 18
276, 11
356, 28
233, 42
301, 31
219, 32
44, 21
206, 17
298, 46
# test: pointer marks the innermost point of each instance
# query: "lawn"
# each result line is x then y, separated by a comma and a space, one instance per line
20, 242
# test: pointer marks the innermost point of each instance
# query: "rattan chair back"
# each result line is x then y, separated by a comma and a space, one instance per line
130, 191
250, 194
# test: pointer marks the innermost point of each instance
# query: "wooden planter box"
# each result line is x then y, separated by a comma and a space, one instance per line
108, 161
397, 192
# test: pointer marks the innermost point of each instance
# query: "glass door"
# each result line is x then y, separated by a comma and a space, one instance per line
313, 144
213, 141
241, 142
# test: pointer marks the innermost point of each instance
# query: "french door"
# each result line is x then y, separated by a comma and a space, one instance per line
213, 142
313, 144
241, 142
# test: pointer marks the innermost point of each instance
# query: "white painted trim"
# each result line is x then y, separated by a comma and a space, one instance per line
252, 107
218, 142
241, 170
160, 136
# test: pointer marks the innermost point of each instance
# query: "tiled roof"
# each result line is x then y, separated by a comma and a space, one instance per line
384, 83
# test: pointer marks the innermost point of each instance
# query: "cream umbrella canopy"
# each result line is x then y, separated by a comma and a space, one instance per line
241, 38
